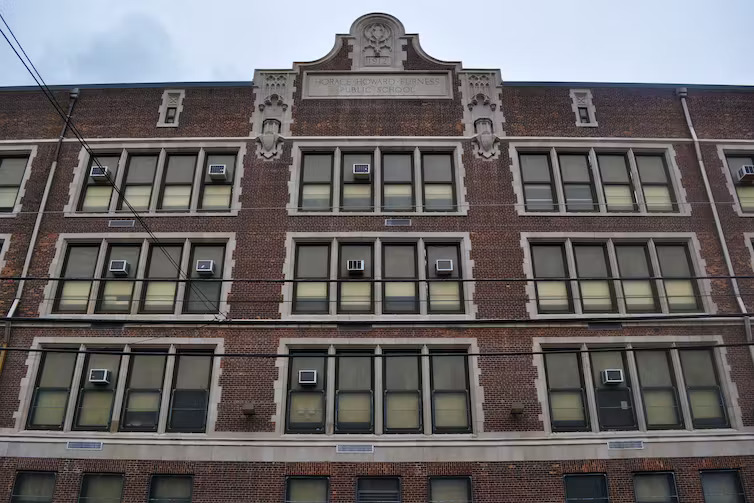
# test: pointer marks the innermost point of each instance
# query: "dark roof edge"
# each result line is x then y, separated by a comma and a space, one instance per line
240, 83
727, 87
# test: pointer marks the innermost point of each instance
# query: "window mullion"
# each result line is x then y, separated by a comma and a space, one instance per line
680, 383
333, 287
197, 183
571, 271
633, 377
659, 284
377, 180
73, 398
167, 388
591, 396
157, 181
118, 182
97, 280
636, 182
557, 180
422, 275
141, 273
418, 182
426, 377
184, 267
336, 181
330, 392
377, 274
120, 389
599, 189
614, 272
379, 388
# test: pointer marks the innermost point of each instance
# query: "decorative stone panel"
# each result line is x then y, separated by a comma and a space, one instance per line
482, 111
271, 119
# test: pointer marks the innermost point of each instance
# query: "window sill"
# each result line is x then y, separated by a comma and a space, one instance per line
586, 124
378, 317
604, 214
643, 434
13, 214
609, 316
128, 317
127, 214
389, 214
174, 125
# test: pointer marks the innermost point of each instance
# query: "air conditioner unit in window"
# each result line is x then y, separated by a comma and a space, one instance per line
307, 377
119, 267
355, 266
99, 376
217, 171
361, 171
612, 376
444, 266
205, 267
99, 173
746, 174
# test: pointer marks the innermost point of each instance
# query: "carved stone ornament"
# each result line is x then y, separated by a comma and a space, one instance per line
378, 37
485, 139
270, 139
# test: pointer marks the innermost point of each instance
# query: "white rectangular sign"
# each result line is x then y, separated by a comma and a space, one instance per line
377, 85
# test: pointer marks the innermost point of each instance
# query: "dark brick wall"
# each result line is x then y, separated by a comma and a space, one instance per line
725, 114
492, 482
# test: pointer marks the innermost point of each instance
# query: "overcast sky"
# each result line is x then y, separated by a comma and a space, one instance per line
108, 41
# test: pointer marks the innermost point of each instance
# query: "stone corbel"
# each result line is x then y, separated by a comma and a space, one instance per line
485, 140
269, 142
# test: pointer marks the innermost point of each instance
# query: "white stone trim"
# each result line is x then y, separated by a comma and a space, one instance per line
161, 148
421, 239
164, 105
699, 266
31, 152
378, 146
583, 98
630, 150
187, 239
723, 150
4, 246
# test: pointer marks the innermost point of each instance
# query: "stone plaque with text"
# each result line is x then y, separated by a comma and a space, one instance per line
377, 85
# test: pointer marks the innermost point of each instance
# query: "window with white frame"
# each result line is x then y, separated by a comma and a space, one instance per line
141, 277
343, 276
741, 168
623, 382
101, 392
397, 394
583, 107
12, 171
171, 107
595, 180
378, 180
577, 276
160, 181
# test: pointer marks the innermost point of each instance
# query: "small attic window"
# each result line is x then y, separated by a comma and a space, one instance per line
583, 108
171, 107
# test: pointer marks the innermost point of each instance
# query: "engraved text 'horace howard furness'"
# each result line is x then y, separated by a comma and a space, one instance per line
377, 85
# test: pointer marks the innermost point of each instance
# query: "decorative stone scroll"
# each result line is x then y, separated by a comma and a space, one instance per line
482, 115
271, 118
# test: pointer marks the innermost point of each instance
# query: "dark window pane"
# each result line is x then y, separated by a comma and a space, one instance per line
188, 408
51, 393
33, 487
548, 261
613, 168
204, 296
397, 168
449, 490
101, 488
141, 409
587, 488
722, 487
591, 261
438, 167
574, 168
317, 168
180, 169
307, 490
535, 167
378, 490
539, 198
579, 198
674, 261
12, 170
96, 399
655, 487
141, 169
633, 261
354, 399
170, 489
652, 169
566, 391
312, 261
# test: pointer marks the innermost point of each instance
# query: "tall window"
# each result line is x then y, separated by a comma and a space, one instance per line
615, 405
398, 182
80, 261
567, 396
316, 182
216, 192
312, 263
703, 389
96, 396
597, 295
378, 490
204, 296
590, 488
744, 189
450, 393
445, 296
676, 269
189, 400
170, 489
159, 295
354, 396
617, 184
539, 188
355, 262
307, 490
101, 488
50, 400
439, 184
400, 264
356, 189
12, 171
177, 183
450, 490
655, 182
639, 291
33, 487
722, 486
578, 186
655, 488
553, 296
121, 263
658, 389
98, 191
139, 180
141, 410
403, 392
307, 384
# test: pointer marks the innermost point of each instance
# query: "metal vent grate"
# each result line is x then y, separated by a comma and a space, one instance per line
397, 222
354, 448
90, 446
625, 444
121, 223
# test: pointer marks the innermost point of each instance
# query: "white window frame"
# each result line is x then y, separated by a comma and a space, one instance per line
171, 345
46, 307
378, 147
698, 265
673, 344
593, 149
377, 239
166, 103
379, 345
723, 151
13, 151
582, 98
162, 150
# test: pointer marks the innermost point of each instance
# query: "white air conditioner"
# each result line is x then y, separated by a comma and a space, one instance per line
355, 266
217, 171
119, 267
99, 173
362, 171
99, 376
612, 376
746, 173
307, 377
205, 267
444, 266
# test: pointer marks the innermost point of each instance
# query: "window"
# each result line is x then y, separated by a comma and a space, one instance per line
306, 401
161, 181
586, 487
50, 399
615, 405
703, 389
307, 490
566, 391
170, 489
635, 291
354, 397
12, 170
396, 181
170, 115
121, 289
352, 394
171, 107
190, 394
583, 107
613, 397
722, 486
450, 393
355, 271
744, 190
450, 490
584, 115
594, 180
378, 490
101, 488
33, 487
141, 405
655, 488
95, 399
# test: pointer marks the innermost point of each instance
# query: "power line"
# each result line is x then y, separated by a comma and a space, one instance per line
51, 98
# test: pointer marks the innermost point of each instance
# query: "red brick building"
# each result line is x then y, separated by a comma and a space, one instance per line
377, 277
